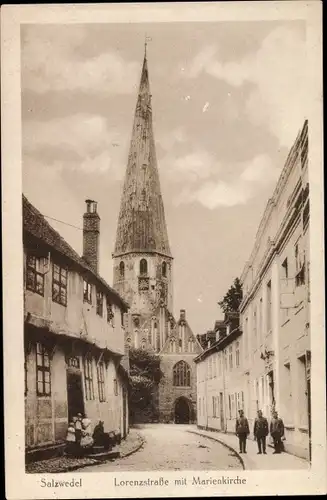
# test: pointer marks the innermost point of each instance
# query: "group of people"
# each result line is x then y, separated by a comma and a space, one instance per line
261, 430
79, 435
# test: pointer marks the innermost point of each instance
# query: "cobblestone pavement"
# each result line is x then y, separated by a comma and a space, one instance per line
171, 447
67, 464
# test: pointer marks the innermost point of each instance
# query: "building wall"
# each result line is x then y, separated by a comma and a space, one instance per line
168, 393
78, 317
181, 345
74, 329
277, 358
46, 417
221, 387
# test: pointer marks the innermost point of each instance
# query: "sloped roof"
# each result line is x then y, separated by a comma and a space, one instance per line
36, 225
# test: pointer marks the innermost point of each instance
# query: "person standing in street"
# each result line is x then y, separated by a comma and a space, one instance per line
277, 432
261, 432
242, 430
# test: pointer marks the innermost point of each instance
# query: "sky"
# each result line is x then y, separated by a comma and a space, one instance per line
228, 100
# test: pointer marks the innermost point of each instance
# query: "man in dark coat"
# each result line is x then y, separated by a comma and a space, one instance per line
260, 432
277, 432
242, 430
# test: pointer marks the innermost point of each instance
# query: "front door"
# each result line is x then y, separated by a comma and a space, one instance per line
221, 405
74, 394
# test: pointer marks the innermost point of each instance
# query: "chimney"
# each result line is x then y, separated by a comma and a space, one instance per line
91, 234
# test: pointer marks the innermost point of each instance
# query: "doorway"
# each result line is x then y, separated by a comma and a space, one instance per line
74, 394
182, 411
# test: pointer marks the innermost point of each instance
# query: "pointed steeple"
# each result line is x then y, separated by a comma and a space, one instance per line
141, 224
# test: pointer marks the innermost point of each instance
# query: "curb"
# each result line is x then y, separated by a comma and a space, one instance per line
137, 448
224, 444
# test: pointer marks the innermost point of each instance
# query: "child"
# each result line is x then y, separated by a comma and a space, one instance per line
70, 438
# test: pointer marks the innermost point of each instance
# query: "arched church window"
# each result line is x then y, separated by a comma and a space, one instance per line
122, 269
181, 374
143, 267
143, 344
129, 342
164, 269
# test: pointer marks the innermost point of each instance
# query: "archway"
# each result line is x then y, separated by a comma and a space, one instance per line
182, 411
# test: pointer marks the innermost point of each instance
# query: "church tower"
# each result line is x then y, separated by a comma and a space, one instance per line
143, 275
142, 258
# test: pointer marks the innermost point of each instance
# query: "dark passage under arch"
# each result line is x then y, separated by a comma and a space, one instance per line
182, 413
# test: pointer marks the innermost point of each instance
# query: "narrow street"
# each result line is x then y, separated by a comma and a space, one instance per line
171, 447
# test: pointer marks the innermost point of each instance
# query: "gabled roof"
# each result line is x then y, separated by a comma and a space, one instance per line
35, 225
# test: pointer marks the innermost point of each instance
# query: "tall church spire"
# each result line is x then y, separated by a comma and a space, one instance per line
141, 224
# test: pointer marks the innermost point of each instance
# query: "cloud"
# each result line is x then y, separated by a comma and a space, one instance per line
81, 133
52, 61
214, 193
260, 171
277, 72
169, 139
191, 167
79, 142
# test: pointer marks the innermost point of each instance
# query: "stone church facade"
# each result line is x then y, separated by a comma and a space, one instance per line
143, 272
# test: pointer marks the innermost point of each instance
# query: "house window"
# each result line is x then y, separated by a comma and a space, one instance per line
110, 313
299, 265
181, 374
237, 402
101, 384
87, 292
285, 269
164, 269
237, 354
122, 270
122, 317
88, 378
43, 374
115, 387
34, 274
230, 406
306, 214
59, 284
213, 406
230, 357
269, 306
99, 303
143, 267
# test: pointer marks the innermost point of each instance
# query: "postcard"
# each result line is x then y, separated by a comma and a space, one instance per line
163, 249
